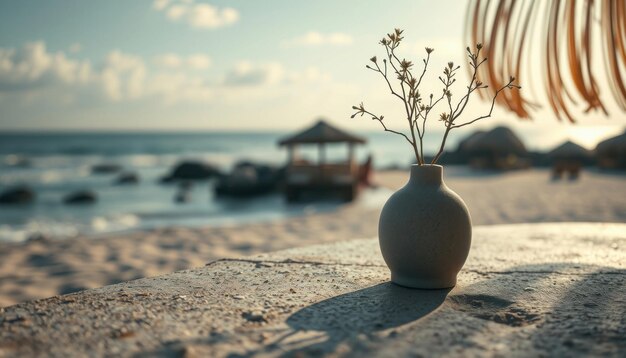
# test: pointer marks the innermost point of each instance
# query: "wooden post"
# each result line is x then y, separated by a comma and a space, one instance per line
321, 159
351, 157
350, 152
321, 154
289, 155
292, 154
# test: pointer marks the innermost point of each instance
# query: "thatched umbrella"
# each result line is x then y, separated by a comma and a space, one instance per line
499, 140
569, 151
463, 143
322, 132
498, 148
568, 157
611, 153
342, 178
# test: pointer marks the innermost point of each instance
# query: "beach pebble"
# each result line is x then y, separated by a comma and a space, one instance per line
252, 316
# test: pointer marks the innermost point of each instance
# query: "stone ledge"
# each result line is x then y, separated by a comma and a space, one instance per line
536, 289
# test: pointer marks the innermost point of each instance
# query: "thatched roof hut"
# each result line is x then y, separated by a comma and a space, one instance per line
568, 157
500, 140
341, 178
464, 142
569, 151
611, 153
321, 132
498, 148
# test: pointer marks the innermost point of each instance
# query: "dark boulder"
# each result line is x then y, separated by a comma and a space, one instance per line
80, 197
250, 179
17, 195
191, 170
127, 178
105, 168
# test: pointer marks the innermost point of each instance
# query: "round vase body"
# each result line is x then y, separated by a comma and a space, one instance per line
425, 231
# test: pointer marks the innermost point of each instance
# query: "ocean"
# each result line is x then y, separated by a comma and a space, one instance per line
56, 164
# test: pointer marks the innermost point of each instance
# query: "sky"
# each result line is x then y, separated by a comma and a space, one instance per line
223, 65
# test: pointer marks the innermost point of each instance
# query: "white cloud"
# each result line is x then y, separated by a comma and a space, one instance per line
207, 16
123, 76
246, 73
204, 16
32, 66
169, 60
314, 38
199, 61
33, 72
176, 12
160, 4
174, 61
310, 74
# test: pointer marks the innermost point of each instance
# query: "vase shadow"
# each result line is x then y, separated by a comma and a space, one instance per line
365, 311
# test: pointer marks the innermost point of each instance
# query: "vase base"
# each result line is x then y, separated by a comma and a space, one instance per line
422, 283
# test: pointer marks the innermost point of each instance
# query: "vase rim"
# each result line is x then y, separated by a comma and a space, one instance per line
426, 165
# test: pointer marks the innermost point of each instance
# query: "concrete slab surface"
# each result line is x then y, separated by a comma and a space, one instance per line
526, 290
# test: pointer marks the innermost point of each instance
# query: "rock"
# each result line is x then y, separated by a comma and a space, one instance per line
17, 195
105, 168
191, 170
80, 197
249, 179
254, 316
127, 178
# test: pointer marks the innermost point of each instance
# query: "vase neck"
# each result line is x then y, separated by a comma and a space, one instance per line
426, 175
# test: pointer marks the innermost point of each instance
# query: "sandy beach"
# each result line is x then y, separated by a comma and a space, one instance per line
38, 269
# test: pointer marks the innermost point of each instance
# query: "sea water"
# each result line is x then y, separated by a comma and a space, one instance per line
56, 164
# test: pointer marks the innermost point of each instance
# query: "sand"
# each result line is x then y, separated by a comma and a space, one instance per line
39, 269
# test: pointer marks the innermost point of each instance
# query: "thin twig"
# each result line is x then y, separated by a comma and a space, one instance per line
380, 120
416, 110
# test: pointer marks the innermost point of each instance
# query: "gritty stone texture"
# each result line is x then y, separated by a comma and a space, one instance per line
412, 223
526, 290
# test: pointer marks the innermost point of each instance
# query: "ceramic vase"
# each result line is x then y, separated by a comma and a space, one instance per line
425, 231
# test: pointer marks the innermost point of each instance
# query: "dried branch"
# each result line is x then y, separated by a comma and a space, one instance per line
416, 110
362, 111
